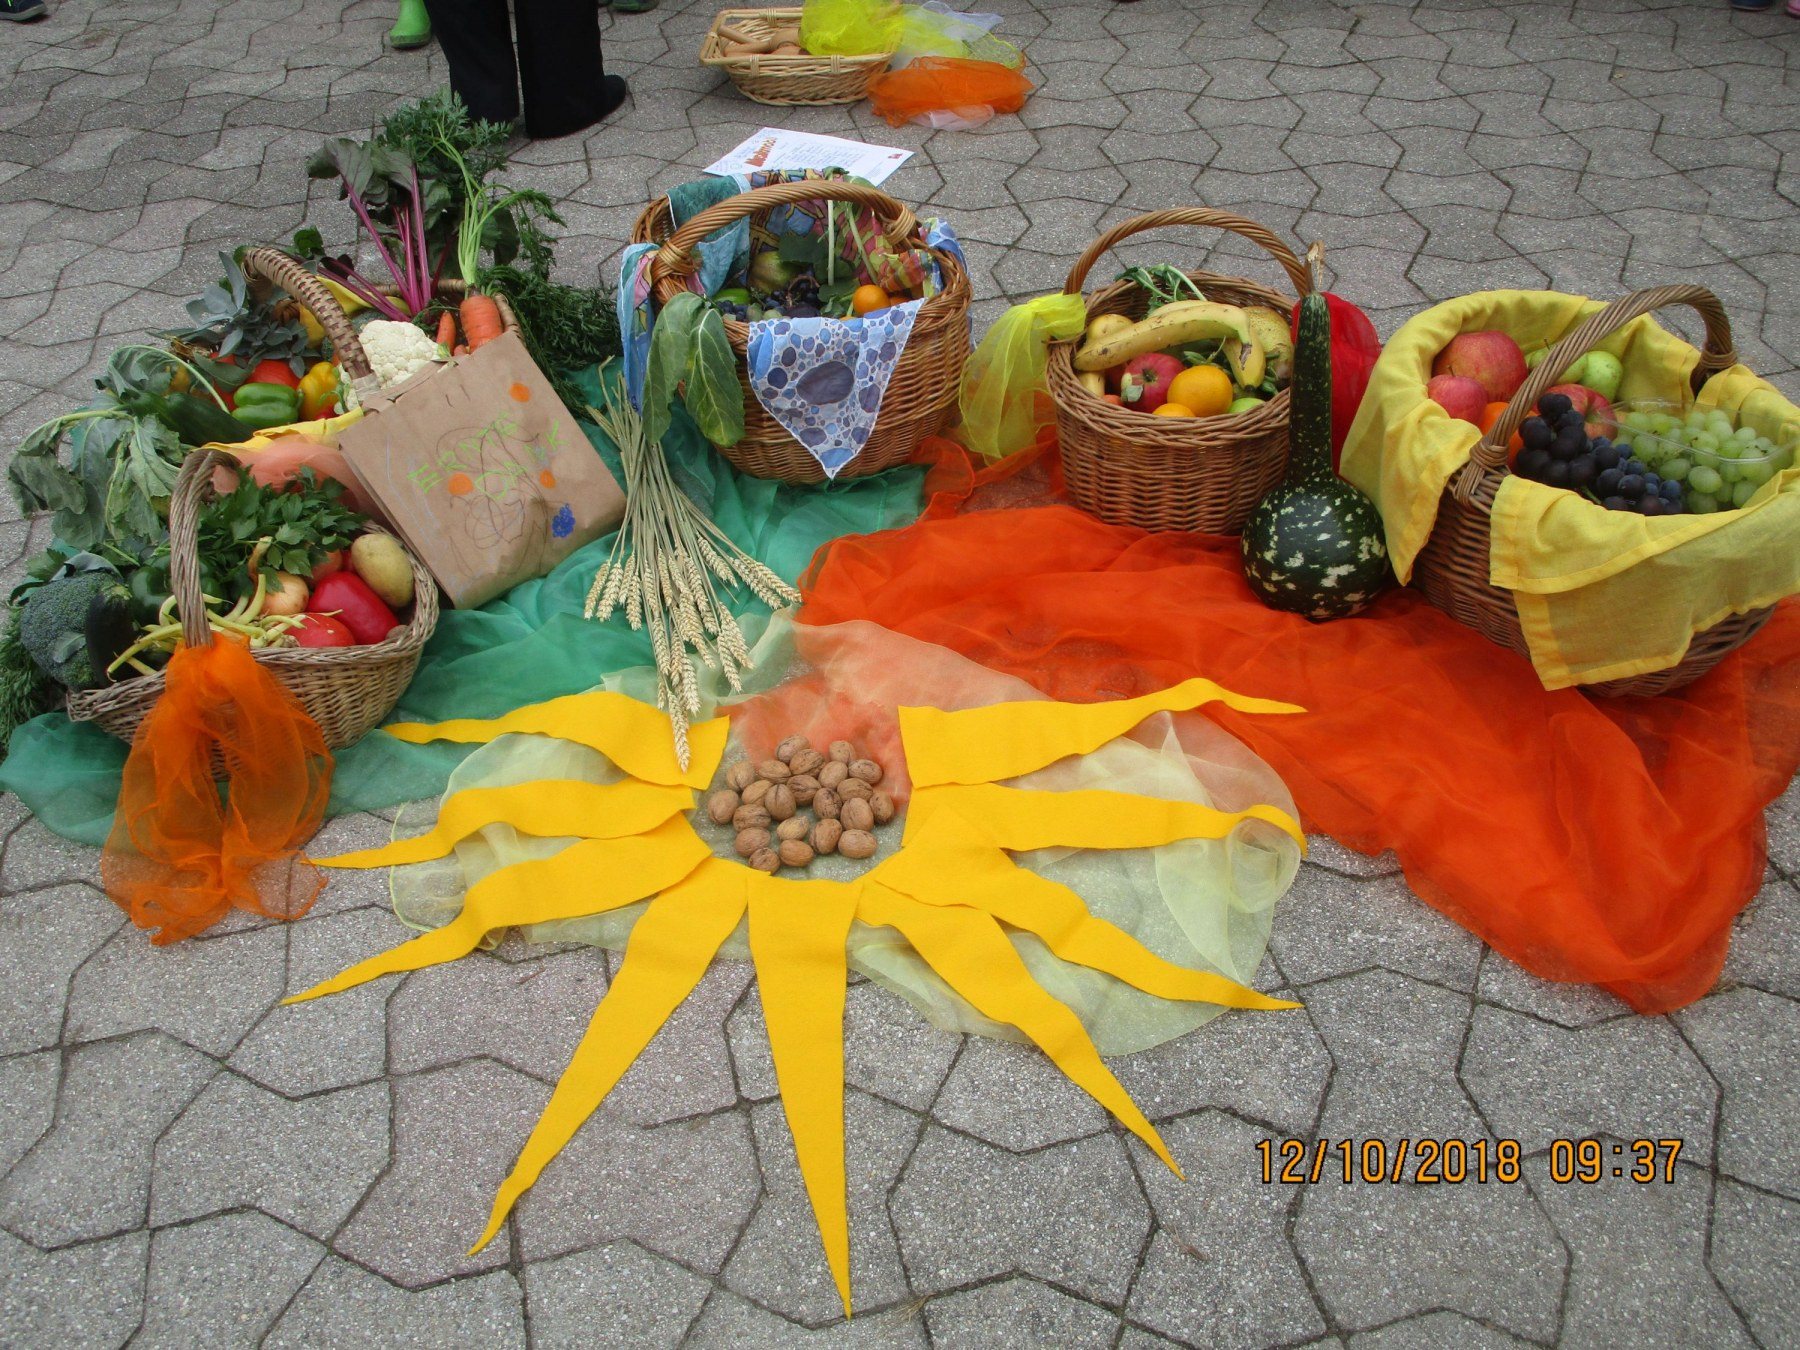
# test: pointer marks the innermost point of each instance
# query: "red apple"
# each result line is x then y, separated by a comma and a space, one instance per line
1150, 375
1490, 358
1595, 411
1459, 396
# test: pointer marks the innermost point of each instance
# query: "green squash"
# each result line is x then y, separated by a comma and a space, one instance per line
1315, 545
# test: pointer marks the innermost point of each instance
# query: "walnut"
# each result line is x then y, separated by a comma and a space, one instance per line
740, 776
792, 746
751, 817
857, 844
883, 807
867, 770
766, 860
857, 815
831, 773
794, 827
780, 801
774, 770
825, 836
749, 841
825, 804
842, 751
854, 787
756, 792
796, 852
803, 786
808, 760
721, 806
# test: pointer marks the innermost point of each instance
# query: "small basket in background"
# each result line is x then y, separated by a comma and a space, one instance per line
790, 79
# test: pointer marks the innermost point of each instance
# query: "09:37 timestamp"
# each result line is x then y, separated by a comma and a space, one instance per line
1432, 1162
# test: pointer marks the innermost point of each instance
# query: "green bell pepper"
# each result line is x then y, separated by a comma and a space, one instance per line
261, 405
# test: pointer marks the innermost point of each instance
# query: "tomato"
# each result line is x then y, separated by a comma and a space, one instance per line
321, 630
332, 562
274, 372
347, 596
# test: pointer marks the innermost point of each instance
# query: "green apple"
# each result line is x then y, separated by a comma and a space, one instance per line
1245, 404
1601, 372
1574, 374
1532, 359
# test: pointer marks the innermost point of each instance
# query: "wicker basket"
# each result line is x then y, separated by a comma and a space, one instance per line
1453, 567
803, 79
921, 395
1165, 473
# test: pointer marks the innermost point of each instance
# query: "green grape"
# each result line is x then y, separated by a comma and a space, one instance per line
1676, 468
1742, 493
1704, 478
1700, 503
1720, 425
1783, 459
1705, 442
1696, 421
1652, 450
1755, 472
1745, 434
1731, 471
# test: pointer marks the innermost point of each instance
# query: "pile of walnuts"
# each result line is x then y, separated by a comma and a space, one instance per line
768, 803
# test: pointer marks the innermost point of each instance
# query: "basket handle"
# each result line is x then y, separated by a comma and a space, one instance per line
1489, 455
676, 260
1191, 215
293, 277
193, 489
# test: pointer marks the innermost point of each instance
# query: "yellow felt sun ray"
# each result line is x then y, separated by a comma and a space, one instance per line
589, 877
546, 808
1004, 740
797, 934
668, 951
1022, 819
632, 735
950, 866
974, 957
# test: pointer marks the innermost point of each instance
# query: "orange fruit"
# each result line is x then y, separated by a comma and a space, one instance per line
1491, 415
1204, 390
868, 299
1174, 410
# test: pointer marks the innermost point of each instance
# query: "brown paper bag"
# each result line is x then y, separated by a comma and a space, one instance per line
483, 471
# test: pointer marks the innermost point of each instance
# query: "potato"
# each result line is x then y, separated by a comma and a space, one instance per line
380, 561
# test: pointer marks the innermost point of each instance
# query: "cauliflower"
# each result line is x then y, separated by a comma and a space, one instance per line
397, 350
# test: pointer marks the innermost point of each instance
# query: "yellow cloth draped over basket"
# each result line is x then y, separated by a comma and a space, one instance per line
1601, 594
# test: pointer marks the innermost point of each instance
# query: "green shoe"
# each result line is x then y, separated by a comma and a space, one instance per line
412, 26
634, 6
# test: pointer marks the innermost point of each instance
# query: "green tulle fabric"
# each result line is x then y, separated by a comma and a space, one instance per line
529, 645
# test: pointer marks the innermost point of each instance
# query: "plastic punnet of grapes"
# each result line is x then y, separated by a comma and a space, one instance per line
1742, 493
1755, 472
1705, 479
1676, 469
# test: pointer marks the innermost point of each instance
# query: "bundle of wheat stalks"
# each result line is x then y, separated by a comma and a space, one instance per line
662, 571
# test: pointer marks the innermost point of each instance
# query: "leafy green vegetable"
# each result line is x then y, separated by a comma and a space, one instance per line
1164, 284
230, 318
715, 398
25, 691
564, 327
306, 520
75, 623
671, 350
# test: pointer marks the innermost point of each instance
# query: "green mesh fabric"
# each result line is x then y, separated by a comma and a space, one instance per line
529, 645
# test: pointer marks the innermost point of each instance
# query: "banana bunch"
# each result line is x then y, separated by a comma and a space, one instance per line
1253, 338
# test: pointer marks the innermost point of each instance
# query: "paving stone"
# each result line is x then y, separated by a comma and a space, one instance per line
1765, 943
131, 985
729, 1323
1755, 1245
1570, 1005
27, 1102
305, 1162
1331, 925
1749, 1040
617, 1295
683, 1190
1433, 1330
686, 1070
1638, 1273
1013, 1096
44, 938
88, 1295
223, 1281
1220, 1270
1018, 1312
1633, 1078
1271, 1067
345, 1306
1072, 1215
89, 1175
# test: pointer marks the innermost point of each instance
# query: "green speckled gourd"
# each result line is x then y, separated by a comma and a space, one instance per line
1315, 544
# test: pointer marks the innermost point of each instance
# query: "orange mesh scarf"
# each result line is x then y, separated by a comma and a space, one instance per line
185, 848
1607, 841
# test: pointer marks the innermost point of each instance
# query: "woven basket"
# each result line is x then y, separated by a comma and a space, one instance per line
1453, 567
803, 80
921, 394
1165, 473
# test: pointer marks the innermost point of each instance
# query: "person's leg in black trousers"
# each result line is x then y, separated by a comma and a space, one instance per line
477, 40
566, 86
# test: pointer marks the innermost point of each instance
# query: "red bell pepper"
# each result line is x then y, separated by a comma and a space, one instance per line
347, 597
1354, 347
274, 372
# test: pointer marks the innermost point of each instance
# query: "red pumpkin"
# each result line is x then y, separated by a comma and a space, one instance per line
1354, 347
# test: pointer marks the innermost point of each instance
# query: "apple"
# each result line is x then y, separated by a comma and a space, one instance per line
1149, 376
1490, 358
1603, 373
1459, 396
1595, 411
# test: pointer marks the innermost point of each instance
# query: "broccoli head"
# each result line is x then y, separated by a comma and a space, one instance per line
75, 625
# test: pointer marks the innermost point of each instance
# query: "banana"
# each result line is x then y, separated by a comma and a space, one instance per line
1272, 334
350, 304
1171, 326
1247, 361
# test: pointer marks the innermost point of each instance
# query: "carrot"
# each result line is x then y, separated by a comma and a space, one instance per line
480, 319
460, 349
446, 334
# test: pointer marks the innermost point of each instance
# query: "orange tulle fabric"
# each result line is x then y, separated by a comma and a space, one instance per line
185, 848
1607, 841
950, 84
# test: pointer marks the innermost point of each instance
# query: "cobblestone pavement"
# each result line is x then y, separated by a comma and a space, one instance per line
184, 1162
